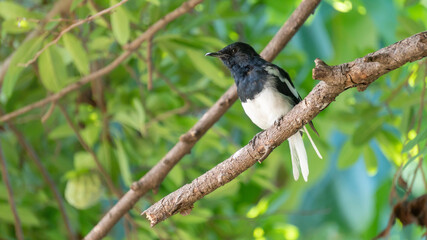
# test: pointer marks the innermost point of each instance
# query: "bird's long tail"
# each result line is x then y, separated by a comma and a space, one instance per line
312, 143
299, 155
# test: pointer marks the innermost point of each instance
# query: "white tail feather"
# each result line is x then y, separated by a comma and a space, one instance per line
299, 156
295, 161
312, 143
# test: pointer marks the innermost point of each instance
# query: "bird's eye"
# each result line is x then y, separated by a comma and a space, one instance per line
233, 50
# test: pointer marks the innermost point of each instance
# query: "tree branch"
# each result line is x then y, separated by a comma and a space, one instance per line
5, 177
47, 178
359, 73
116, 191
130, 48
155, 176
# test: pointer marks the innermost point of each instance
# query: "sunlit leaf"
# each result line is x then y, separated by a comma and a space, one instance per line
77, 52
120, 24
83, 160
371, 163
26, 214
420, 137
12, 10
53, 72
24, 53
90, 134
13, 26
83, 191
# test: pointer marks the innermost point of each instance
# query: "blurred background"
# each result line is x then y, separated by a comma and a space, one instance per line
365, 137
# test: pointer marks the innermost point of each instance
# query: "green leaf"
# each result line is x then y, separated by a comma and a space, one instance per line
53, 72
83, 191
120, 24
177, 175
229, 189
77, 52
390, 146
10, 10
135, 118
23, 54
370, 159
420, 137
13, 26
123, 163
83, 160
74, 4
91, 134
62, 131
264, 183
26, 215
349, 155
367, 130
207, 68
100, 43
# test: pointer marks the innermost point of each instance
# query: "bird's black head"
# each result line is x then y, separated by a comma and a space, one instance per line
237, 53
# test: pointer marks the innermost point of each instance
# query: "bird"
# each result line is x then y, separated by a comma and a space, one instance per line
267, 94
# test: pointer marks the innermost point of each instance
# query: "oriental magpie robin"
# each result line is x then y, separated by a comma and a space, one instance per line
267, 93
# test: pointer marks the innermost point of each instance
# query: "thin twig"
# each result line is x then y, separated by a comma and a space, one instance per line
5, 176
47, 178
69, 28
101, 169
86, 147
149, 63
49, 112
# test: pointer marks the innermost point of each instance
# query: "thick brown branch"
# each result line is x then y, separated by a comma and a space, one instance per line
131, 47
156, 175
182, 200
11, 199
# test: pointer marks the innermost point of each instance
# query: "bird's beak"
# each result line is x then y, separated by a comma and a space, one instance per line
214, 54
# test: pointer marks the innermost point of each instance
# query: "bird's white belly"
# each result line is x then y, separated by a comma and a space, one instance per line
267, 106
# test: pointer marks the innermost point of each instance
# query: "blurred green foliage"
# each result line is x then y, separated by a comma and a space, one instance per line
364, 137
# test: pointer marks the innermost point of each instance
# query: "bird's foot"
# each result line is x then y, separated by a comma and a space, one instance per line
267, 152
267, 148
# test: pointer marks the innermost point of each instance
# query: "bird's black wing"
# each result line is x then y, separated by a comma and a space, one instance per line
285, 86
283, 82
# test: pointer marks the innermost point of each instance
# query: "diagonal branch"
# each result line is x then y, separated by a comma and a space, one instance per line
47, 178
131, 47
335, 79
5, 177
116, 191
155, 176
